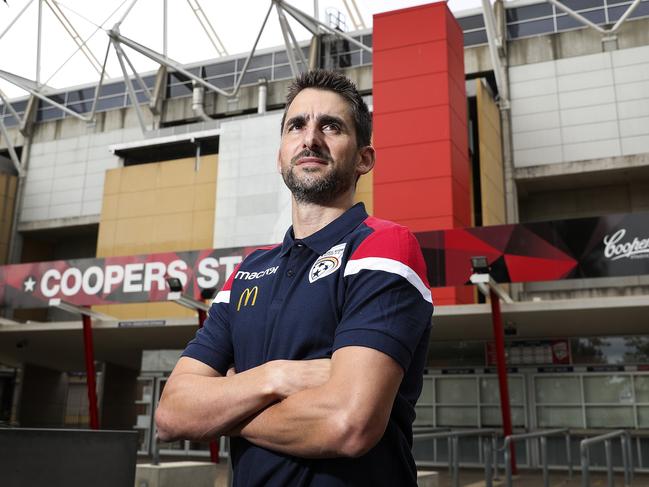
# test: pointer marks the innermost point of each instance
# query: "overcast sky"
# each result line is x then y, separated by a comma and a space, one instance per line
237, 23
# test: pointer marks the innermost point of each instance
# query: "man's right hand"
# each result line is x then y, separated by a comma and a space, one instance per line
291, 376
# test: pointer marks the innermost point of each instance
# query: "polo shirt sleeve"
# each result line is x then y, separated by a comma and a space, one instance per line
388, 304
212, 344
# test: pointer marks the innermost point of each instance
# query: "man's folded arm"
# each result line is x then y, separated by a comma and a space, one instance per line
199, 403
344, 417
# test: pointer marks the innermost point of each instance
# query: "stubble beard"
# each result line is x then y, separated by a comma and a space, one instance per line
316, 188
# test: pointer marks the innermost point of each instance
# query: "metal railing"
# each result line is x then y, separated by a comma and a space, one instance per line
542, 436
489, 449
627, 456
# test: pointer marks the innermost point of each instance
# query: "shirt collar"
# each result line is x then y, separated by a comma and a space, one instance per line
327, 237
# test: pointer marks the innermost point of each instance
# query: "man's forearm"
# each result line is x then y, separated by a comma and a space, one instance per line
199, 407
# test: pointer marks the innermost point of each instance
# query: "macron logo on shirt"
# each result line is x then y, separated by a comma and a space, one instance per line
249, 276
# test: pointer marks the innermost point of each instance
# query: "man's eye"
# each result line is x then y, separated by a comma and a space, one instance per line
331, 127
294, 126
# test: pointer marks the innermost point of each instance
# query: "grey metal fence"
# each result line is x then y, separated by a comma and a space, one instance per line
606, 438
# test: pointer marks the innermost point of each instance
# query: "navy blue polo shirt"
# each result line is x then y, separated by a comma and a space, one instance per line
359, 281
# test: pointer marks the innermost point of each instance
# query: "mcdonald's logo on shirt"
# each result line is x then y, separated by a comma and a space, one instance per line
246, 295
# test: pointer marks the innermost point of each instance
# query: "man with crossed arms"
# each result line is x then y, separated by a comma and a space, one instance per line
312, 356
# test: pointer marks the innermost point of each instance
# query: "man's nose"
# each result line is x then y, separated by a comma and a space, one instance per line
312, 136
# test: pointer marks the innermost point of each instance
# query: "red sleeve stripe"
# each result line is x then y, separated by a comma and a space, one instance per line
354, 266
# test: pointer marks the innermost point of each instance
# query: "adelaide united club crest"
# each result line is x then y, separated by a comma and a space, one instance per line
327, 263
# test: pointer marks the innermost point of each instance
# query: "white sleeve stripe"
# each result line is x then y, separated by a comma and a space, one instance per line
389, 265
222, 297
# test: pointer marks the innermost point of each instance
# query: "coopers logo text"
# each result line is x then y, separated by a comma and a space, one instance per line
635, 249
246, 295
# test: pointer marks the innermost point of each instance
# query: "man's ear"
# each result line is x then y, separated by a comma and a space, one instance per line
366, 160
278, 164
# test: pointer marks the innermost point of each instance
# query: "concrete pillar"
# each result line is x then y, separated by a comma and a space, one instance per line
422, 178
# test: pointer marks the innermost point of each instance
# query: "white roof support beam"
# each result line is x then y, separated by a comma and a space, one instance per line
354, 14
207, 27
72, 32
494, 45
625, 16
312, 24
290, 49
11, 24
129, 86
93, 110
28, 85
577, 16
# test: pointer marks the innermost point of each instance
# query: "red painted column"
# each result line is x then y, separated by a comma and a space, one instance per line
422, 177
89, 353
501, 365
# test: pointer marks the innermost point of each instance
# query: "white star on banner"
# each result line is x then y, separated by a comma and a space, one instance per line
29, 284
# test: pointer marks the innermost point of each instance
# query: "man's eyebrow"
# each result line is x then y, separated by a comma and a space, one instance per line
327, 119
296, 118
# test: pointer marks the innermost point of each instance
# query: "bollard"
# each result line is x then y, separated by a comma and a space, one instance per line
487, 462
625, 461
569, 454
456, 462
544, 461
609, 463
508, 464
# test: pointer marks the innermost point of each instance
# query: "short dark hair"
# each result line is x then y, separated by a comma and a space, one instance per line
322, 79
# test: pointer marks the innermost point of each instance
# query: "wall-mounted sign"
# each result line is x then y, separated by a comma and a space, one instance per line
532, 352
607, 246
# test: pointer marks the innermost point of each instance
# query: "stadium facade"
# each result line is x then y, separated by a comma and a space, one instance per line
549, 125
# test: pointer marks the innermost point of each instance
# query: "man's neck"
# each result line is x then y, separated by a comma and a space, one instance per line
308, 218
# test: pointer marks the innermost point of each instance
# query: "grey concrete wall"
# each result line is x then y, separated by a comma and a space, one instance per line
581, 108
43, 397
585, 202
252, 204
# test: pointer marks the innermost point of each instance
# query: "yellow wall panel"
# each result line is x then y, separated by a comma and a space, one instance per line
177, 173
138, 178
111, 181
204, 198
136, 204
365, 193
492, 183
157, 207
177, 199
7, 199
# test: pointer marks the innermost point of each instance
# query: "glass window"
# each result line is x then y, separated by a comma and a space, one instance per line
529, 12
10, 121
282, 72
456, 390
643, 416
149, 81
642, 388
19, 106
425, 416
614, 389
457, 416
367, 40
110, 102
112, 88
367, 57
456, 354
82, 107
557, 390
471, 22
281, 57
565, 22
142, 97
474, 38
530, 28
609, 417
582, 4
252, 77
560, 417
48, 114
426, 392
184, 89
260, 61
641, 10
223, 82
491, 416
226, 67
490, 393
81, 95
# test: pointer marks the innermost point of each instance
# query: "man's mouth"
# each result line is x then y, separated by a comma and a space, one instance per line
311, 161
